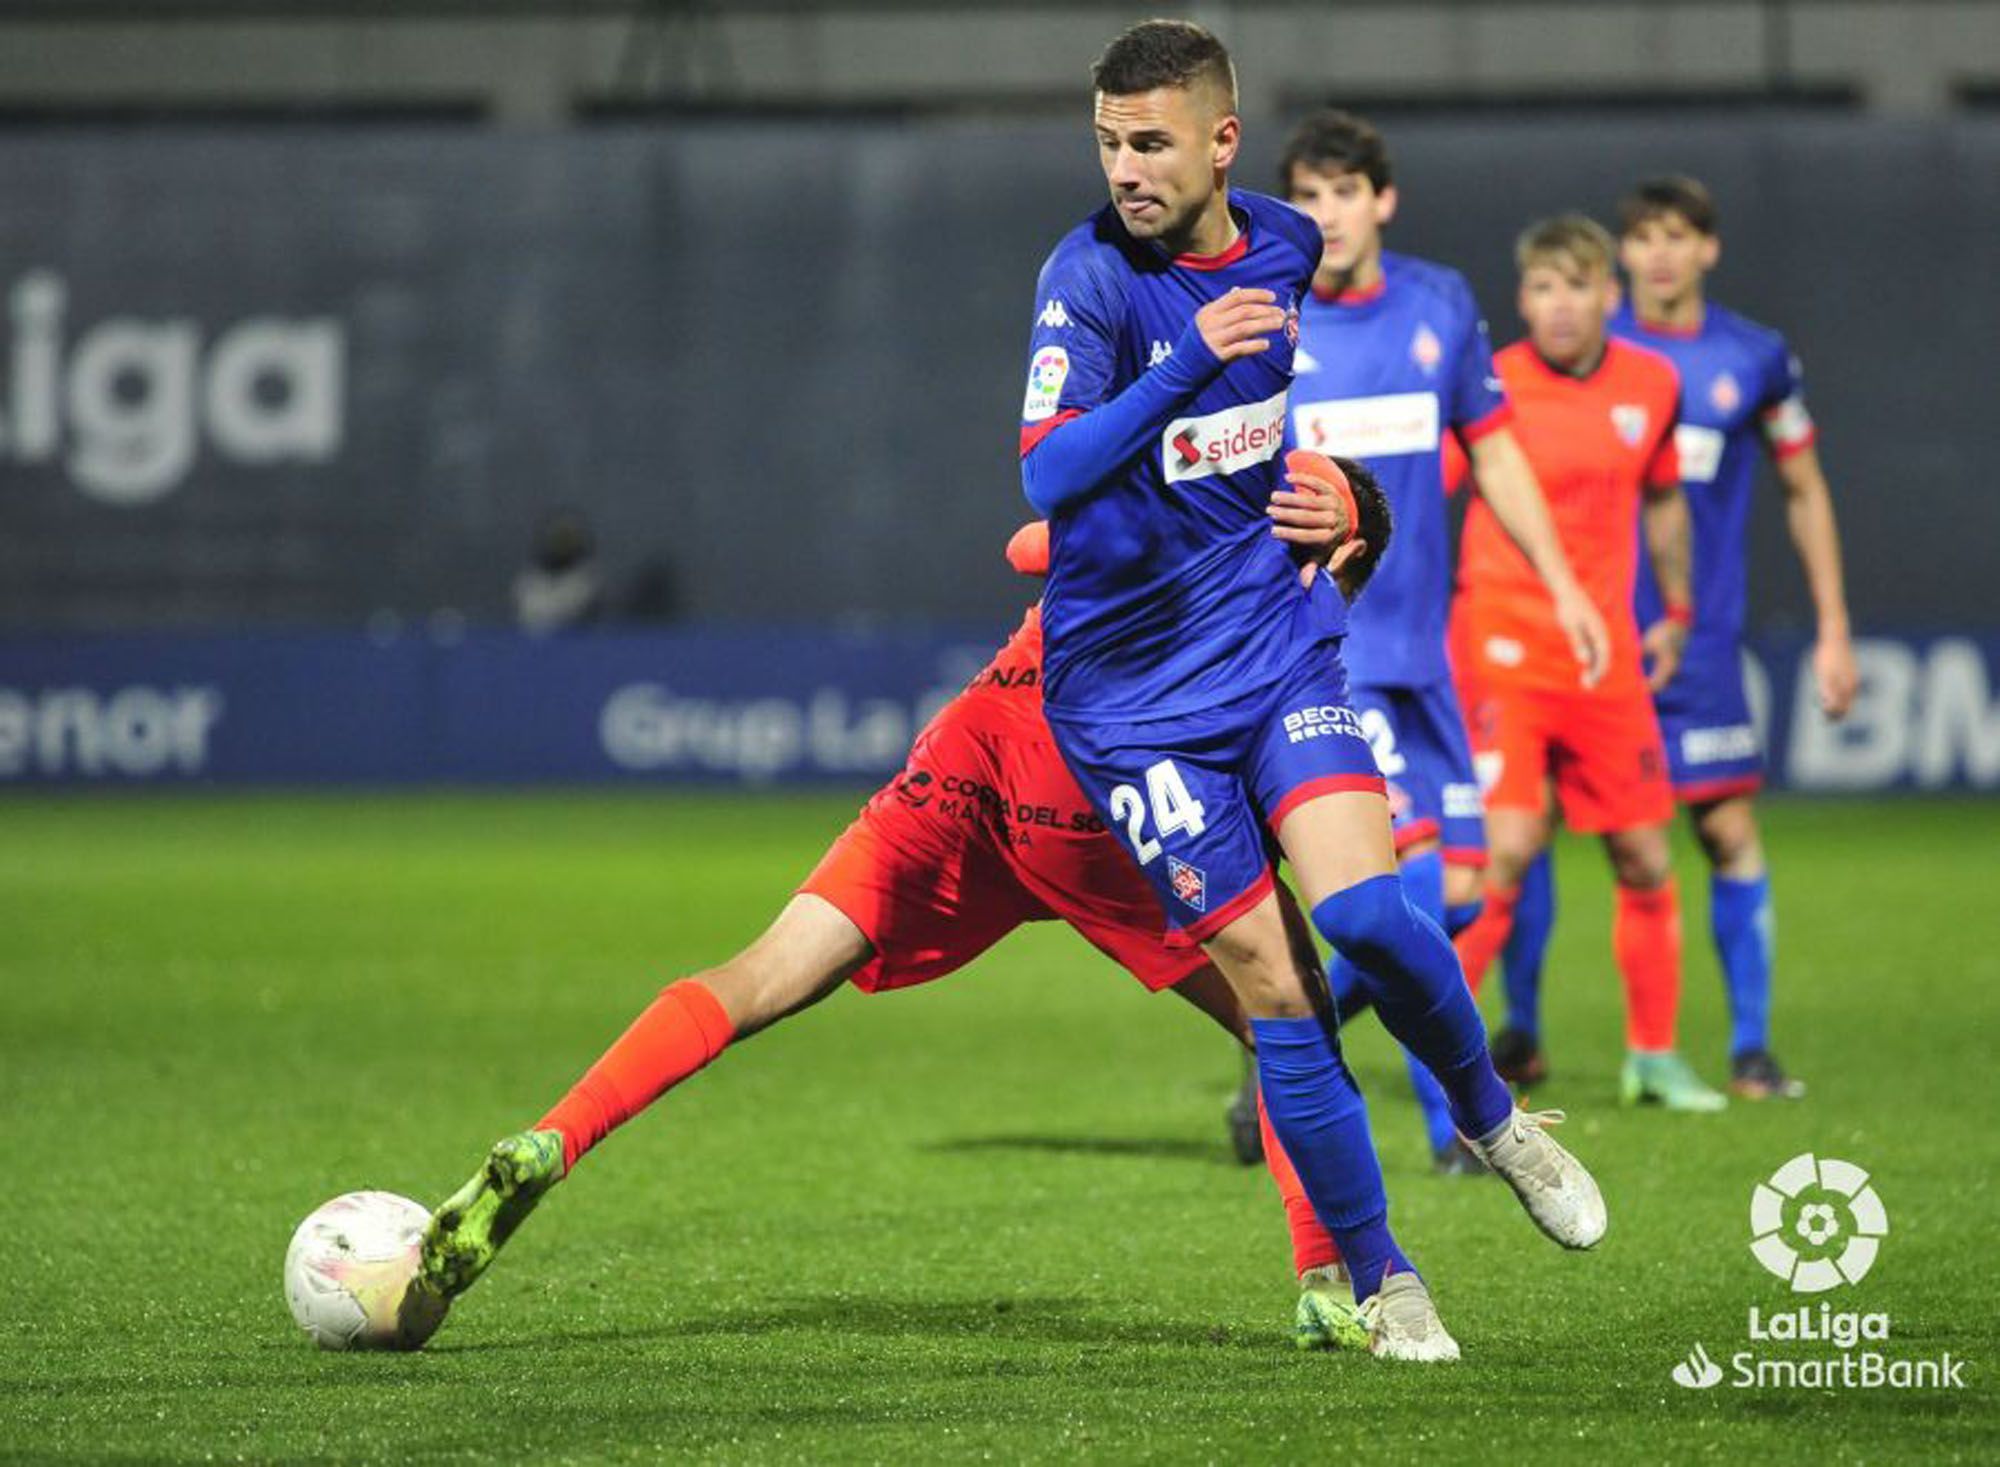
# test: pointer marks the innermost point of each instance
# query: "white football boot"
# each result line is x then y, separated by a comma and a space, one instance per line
1403, 1324
1560, 1195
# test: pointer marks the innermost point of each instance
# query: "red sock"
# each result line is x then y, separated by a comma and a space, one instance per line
1646, 936
1312, 1244
682, 1030
1481, 940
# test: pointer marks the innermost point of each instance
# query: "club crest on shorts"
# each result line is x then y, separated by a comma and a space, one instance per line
1188, 882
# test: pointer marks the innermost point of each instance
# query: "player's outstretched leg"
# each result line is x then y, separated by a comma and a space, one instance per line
1420, 992
467, 1232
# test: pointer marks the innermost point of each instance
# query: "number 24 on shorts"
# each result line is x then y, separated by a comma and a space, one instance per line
1174, 809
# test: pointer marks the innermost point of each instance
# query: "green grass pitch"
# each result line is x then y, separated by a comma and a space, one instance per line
994, 1218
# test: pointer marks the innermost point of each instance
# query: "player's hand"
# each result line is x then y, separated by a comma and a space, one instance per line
1589, 638
1240, 323
1663, 645
1835, 672
1311, 515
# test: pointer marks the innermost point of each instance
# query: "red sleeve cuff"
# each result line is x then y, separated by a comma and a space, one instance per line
1034, 433
1470, 433
1783, 451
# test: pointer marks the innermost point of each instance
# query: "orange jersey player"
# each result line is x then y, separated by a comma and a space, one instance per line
1596, 417
985, 829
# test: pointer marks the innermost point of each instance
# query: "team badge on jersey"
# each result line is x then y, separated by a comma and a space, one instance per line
1292, 325
1630, 420
1045, 383
1724, 395
1426, 350
1190, 884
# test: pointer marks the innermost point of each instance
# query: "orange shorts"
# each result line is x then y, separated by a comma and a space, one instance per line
1602, 751
983, 830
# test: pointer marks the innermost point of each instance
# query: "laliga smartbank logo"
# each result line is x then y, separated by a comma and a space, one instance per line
1818, 1224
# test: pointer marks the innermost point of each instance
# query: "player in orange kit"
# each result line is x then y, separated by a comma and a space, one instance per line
1596, 417
984, 829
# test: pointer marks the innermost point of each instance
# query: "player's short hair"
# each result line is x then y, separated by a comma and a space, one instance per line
1332, 141
1166, 53
1376, 524
1673, 193
1567, 239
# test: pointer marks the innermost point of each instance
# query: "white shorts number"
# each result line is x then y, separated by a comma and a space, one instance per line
1174, 809
1381, 736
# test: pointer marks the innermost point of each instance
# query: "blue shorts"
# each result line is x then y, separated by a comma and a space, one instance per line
1713, 751
1191, 796
1421, 747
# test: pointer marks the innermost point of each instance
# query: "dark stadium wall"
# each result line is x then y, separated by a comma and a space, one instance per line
335, 378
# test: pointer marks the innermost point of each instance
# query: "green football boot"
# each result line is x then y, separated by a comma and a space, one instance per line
1326, 1318
1665, 1079
468, 1231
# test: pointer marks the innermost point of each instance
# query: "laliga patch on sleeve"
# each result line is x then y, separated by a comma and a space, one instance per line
1046, 375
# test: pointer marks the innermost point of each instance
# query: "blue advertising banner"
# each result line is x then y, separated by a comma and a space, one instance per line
745, 707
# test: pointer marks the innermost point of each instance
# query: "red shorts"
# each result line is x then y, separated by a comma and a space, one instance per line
983, 830
1602, 750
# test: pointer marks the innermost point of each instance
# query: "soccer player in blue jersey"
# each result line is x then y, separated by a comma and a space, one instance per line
1393, 356
1741, 401
1191, 675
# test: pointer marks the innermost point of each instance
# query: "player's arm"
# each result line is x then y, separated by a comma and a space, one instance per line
1074, 454
1507, 483
1669, 538
1790, 435
1809, 516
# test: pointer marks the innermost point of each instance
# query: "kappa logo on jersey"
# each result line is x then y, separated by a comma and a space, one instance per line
1426, 350
1046, 376
1190, 883
1224, 442
1630, 420
1053, 316
1724, 395
1160, 352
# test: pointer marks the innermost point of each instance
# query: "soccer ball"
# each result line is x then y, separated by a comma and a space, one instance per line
349, 1270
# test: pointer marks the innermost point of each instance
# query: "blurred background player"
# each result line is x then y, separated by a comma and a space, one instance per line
937, 868
1741, 398
1393, 356
1597, 418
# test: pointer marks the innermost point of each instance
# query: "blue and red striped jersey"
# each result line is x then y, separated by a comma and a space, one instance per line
1154, 463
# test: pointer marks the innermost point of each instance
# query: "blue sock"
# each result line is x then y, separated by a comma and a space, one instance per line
1320, 1119
1411, 974
1739, 914
1528, 944
1423, 885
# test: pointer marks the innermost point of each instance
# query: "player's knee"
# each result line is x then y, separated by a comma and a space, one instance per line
1369, 921
1641, 865
1729, 840
1464, 886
